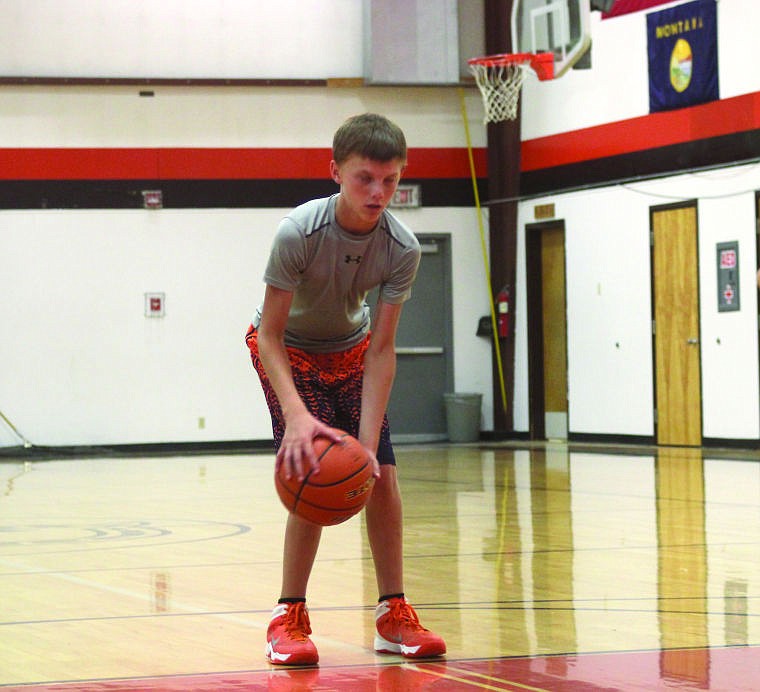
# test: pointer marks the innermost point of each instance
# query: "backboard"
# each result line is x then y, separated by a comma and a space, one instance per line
561, 27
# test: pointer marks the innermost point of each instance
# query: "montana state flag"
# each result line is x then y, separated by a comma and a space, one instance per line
683, 55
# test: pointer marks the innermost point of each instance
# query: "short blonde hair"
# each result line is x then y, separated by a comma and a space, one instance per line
369, 135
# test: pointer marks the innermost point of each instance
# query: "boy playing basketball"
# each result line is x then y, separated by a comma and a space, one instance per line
311, 347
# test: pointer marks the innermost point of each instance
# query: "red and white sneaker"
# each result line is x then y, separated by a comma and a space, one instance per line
288, 640
398, 631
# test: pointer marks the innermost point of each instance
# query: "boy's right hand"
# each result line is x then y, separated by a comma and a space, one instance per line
297, 449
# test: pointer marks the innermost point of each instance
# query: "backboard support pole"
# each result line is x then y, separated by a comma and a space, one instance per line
503, 182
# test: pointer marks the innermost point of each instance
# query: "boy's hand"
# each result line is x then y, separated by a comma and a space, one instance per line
375, 464
297, 450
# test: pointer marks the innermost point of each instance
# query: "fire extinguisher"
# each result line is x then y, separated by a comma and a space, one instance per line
502, 312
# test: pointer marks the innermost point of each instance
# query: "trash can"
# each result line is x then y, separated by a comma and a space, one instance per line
463, 416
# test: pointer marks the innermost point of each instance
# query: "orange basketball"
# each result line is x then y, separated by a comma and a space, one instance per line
340, 489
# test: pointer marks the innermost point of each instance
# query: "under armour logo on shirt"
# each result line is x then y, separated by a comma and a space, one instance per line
353, 259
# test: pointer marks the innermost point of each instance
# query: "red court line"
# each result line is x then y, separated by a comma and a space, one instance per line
729, 668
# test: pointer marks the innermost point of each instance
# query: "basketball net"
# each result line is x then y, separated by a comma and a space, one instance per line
500, 85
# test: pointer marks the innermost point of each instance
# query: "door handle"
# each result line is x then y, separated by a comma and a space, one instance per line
418, 350
692, 341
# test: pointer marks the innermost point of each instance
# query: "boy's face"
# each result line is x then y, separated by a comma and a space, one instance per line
366, 189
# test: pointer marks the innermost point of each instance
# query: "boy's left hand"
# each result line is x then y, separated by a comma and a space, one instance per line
375, 464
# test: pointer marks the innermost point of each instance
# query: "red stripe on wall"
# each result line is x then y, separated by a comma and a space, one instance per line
236, 164
724, 117
77, 164
213, 163
727, 116
627, 6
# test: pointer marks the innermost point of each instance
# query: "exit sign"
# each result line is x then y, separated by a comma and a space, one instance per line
407, 196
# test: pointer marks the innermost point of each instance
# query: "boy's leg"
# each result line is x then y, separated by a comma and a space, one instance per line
301, 543
397, 627
289, 628
301, 537
385, 531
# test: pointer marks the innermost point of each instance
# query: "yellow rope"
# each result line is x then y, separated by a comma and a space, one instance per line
484, 249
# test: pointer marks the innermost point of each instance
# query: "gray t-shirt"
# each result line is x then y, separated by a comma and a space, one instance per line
330, 272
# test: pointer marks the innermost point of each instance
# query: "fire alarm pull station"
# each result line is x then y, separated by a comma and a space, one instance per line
502, 312
155, 304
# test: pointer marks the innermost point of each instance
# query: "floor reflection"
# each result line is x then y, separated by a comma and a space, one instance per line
597, 552
682, 565
546, 567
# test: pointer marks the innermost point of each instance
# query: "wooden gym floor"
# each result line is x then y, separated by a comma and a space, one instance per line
545, 567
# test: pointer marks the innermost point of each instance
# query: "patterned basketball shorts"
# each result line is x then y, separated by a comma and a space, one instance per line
330, 385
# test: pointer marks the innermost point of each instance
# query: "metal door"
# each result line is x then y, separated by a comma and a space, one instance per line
424, 357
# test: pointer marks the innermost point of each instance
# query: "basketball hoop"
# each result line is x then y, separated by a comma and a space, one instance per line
500, 79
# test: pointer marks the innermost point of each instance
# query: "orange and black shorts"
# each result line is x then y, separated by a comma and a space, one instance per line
330, 385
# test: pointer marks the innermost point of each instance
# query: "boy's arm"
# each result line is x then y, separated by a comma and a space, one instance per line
379, 373
296, 450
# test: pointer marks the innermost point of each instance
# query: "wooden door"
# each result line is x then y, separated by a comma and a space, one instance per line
554, 331
547, 330
675, 280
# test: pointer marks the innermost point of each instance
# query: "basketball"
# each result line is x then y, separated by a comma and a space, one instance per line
340, 489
